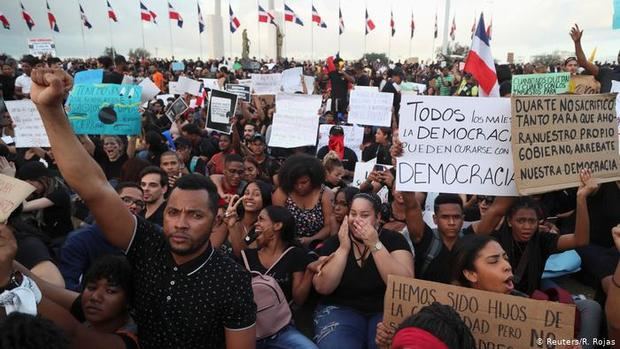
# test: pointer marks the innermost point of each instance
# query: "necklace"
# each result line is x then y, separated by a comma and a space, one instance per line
362, 254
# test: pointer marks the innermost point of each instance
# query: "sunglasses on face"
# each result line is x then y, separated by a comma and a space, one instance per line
488, 199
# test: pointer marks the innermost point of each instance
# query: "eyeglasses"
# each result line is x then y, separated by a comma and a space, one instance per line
129, 201
488, 199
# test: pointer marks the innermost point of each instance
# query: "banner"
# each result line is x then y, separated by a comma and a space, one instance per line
584, 85
496, 320
222, 106
29, 130
13, 192
540, 84
105, 109
291, 130
353, 137
455, 145
40, 47
242, 91
554, 137
291, 80
266, 84
370, 107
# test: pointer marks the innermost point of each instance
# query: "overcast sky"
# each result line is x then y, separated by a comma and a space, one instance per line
525, 27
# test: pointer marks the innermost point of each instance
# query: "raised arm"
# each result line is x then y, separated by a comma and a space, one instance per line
581, 237
413, 217
494, 215
78, 168
575, 34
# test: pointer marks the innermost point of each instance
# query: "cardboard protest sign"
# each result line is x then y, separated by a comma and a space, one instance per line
12, 193
554, 137
174, 88
353, 137
222, 106
540, 84
455, 145
29, 130
291, 80
266, 84
149, 90
496, 320
584, 85
91, 76
293, 130
242, 91
368, 107
191, 86
109, 109
362, 170
176, 109
297, 104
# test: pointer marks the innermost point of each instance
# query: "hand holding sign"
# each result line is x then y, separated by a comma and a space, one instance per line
50, 86
587, 184
12, 193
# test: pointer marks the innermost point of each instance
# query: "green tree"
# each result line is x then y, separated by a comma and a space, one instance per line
454, 53
139, 53
547, 59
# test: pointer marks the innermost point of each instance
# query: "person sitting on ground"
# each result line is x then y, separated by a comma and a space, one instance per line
334, 171
231, 180
342, 203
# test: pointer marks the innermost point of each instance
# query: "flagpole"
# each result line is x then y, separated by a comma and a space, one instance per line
142, 27
170, 31
339, 35
285, 41
111, 37
82, 28
365, 26
258, 30
311, 35
229, 31
199, 33
391, 31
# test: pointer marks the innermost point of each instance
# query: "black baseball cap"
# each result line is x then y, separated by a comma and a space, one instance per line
336, 130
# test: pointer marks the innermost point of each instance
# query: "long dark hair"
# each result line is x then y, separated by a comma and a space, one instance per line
265, 193
279, 214
465, 253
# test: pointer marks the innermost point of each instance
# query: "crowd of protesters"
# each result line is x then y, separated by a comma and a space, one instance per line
170, 238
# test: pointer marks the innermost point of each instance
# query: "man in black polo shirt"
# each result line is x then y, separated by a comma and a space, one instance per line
187, 294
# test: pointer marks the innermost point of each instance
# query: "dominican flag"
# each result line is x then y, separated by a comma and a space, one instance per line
340, 21
290, 16
265, 17
316, 18
111, 13
479, 62
453, 29
392, 23
473, 28
4, 21
234, 21
84, 19
436, 28
490, 29
51, 18
201, 21
173, 14
147, 15
370, 25
412, 25
27, 17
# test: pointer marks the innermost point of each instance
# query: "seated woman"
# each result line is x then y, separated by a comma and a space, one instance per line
278, 256
240, 217
334, 171
342, 203
302, 192
353, 274
98, 317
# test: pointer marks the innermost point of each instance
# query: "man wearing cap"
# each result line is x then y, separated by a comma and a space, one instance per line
258, 150
345, 154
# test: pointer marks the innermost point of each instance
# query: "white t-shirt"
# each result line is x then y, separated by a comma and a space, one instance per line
25, 82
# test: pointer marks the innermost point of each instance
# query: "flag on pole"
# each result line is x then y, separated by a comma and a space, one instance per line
147, 15
5, 21
27, 17
412, 25
84, 19
473, 28
592, 55
111, 13
340, 21
174, 15
392, 23
453, 29
316, 18
370, 25
265, 17
201, 21
479, 62
490, 29
290, 16
234, 21
51, 18
436, 28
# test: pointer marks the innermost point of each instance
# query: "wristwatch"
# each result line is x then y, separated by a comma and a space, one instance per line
15, 281
377, 247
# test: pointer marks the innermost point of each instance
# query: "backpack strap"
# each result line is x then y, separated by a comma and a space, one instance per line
193, 163
245, 261
279, 258
432, 252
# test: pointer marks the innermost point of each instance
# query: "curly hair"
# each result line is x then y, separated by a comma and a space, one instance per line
24, 331
298, 166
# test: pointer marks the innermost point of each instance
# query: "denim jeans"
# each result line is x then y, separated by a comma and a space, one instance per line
286, 338
338, 327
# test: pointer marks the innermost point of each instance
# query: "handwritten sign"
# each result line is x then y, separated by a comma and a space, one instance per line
291, 80
242, 91
91, 76
496, 320
353, 137
174, 88
222, 106
40, 47
368, 107
29, 130
455, 145
293, 130
12, 193
266, 84
110, 109
584, 85
540, 84
554, 137
362, 170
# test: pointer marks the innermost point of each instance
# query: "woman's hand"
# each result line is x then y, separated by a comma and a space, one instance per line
587, 184
367, 232
7, 168
384, 336
343, 235
230, 216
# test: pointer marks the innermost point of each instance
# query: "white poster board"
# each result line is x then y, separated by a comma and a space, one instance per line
174, 88
370, 107
213, 84
293, 130
149, 90
291, 80
29, 130
266, 84
353, 137
456, 145
40, 47
191, 86
309, 82
362, 169
296, 104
